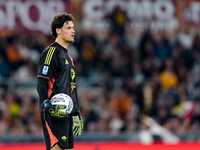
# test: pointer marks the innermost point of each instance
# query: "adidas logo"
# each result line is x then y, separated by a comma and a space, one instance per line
66, 61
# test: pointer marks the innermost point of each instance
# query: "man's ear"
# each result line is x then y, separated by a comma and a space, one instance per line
58, 31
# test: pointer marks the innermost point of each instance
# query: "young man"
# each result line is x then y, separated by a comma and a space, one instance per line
56, 75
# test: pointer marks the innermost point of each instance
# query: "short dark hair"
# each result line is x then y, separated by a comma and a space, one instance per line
59, 20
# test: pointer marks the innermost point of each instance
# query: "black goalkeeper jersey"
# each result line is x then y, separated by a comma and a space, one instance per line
58, 71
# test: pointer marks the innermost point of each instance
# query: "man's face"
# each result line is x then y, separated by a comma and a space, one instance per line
67, 32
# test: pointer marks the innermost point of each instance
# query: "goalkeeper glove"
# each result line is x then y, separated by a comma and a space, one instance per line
78, 125
54, 110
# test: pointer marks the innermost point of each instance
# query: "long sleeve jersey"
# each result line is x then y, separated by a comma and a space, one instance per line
57, 75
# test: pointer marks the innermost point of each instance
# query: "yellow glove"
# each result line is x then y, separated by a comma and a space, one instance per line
78, 125
54, 110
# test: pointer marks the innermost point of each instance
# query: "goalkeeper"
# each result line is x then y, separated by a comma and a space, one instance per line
56, 75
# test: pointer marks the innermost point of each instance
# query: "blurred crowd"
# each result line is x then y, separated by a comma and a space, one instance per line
159, 77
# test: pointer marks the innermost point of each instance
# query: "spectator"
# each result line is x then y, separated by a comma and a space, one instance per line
118, 20
168, 77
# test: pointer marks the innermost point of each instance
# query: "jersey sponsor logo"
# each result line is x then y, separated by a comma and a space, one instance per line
66, 61
45, 70
73, 85
72, 74
49, 55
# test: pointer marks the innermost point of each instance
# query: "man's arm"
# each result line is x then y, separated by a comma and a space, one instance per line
48, 63
54, 110
42, 89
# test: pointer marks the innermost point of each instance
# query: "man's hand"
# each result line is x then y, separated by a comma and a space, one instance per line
54, 110
78, 125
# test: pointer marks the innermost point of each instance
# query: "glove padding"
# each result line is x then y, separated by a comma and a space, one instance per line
78, 125
54, 110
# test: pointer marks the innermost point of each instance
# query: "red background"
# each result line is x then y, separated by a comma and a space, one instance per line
108, 146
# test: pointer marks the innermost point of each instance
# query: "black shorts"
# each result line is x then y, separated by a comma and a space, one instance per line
57, 131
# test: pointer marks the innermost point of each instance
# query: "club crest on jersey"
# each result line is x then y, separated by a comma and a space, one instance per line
45, 70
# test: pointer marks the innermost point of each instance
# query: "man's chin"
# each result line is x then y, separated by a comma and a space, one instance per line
71, 41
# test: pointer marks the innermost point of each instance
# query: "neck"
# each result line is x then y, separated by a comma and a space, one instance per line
62, 43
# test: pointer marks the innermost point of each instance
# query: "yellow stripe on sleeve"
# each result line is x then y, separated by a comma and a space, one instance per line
49, 55
53, 49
